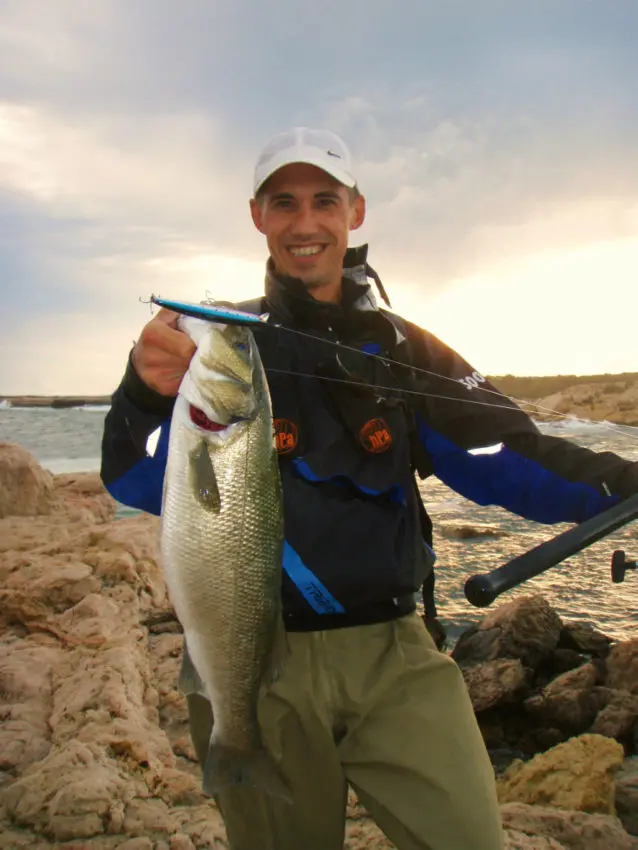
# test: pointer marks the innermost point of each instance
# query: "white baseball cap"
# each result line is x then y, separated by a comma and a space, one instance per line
320, 148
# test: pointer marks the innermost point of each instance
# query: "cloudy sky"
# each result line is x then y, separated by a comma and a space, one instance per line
497, 145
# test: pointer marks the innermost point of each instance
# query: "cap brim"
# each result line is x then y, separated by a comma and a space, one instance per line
308, 156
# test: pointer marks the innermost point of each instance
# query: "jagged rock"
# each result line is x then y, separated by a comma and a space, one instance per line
526, 628
577, 775
493, 682
570, 830
617, 718
584, 638
571, 701
572, 710
25, 488
627, 795
622, 667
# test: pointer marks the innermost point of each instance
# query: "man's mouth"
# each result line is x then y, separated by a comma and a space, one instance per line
305, 250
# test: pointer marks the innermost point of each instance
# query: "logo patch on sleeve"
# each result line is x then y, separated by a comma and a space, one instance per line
286, 436
375, 436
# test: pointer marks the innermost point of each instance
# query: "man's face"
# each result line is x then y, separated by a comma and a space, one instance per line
306, 217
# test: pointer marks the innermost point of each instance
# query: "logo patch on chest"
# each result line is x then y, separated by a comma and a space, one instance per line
375, 436
286, 436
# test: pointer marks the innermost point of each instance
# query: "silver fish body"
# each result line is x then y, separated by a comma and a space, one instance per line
221, 546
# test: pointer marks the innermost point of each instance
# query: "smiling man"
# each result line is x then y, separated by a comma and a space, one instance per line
307, 209
365, 698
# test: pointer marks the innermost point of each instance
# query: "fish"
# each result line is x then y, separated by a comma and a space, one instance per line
221, 543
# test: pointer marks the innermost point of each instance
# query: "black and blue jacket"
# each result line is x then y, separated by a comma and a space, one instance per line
351, 430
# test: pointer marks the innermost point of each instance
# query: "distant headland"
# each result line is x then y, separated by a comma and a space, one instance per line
56, 401
613, 398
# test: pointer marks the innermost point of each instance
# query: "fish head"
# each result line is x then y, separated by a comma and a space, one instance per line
220, 380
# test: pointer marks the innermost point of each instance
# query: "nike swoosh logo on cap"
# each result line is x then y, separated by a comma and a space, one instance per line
331, 153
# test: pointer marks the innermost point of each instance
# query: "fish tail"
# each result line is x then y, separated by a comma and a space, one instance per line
227, 767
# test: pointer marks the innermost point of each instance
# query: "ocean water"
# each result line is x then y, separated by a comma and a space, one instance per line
580, 588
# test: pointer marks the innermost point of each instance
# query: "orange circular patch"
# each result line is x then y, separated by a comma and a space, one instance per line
375, 436
286, 436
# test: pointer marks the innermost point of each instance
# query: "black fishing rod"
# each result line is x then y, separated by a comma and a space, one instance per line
482, 590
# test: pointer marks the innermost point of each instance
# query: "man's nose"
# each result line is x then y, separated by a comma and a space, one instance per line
305, 222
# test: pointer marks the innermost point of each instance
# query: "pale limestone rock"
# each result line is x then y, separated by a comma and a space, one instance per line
613, 401
526, 628
627, 795
577, 775
25, 488
568, 829
622, 667
494, 682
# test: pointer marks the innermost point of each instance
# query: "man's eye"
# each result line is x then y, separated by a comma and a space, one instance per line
326, 202
282, 203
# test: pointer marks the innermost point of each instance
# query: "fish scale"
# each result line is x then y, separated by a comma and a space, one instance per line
221, 544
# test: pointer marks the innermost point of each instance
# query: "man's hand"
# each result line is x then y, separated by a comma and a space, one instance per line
162, 354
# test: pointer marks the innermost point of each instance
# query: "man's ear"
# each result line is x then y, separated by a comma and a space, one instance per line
358, 213
257, 214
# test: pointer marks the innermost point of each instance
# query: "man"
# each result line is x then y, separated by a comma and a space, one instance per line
365, 697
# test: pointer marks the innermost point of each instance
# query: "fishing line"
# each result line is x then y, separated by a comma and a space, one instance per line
610, 426
530, 405
361, 384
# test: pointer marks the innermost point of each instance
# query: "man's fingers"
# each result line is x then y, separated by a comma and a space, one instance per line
160, 333
168, 317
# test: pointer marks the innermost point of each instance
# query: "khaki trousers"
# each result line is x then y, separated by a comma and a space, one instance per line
380, 708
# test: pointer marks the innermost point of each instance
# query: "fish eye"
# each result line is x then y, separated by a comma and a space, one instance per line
241, 346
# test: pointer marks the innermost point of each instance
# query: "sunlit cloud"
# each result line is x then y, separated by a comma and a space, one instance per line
495, 147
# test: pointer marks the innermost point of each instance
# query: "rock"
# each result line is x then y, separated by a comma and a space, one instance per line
83, 496
25, 488
571, 701
577, 775
570, 710
622, 667
617, 718
493, 682
584, 638
627, 795
612, 401
551, 828
563, 660
463, 531
526, 628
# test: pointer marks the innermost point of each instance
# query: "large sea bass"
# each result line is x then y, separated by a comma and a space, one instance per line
221, 544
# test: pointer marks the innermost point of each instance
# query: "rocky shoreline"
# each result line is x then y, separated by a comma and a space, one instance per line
94, 745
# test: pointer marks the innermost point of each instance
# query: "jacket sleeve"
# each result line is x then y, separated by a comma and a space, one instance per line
131, 474
482, 445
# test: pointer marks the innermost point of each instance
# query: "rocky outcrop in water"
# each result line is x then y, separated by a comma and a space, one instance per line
94, 745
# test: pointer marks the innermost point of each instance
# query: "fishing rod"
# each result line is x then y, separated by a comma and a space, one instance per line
481, 590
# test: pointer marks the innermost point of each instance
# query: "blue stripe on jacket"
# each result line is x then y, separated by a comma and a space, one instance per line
142, 485
514, 482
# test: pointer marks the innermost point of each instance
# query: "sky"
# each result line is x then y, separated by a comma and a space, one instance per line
496, 144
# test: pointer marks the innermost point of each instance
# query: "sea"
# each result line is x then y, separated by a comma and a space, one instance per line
580, 588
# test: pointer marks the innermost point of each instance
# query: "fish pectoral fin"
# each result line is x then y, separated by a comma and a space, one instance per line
228, 767
203, 479
189, 681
